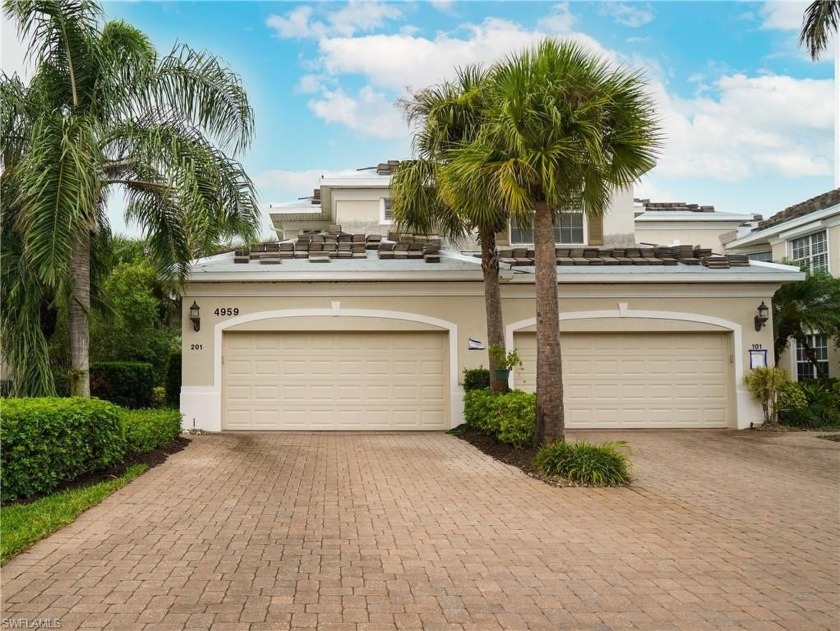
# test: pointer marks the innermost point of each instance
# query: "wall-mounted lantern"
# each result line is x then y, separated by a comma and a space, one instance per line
195, 316
762, 317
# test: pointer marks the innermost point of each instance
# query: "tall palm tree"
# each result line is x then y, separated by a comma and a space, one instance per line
562, 128
104, 111
448, 115
801, 308
820, 19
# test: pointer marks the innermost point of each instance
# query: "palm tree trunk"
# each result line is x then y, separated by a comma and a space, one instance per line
492, 301
550, 417
78, 315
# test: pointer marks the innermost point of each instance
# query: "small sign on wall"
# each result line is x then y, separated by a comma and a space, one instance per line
758, 358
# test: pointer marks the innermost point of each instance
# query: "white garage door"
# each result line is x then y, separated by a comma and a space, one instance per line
336, 381
638, 379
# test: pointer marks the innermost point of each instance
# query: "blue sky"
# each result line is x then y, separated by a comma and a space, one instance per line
749, 118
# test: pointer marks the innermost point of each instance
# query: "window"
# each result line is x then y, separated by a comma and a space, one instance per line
811, 250
766, 257
568, 229
804, 368
384, 210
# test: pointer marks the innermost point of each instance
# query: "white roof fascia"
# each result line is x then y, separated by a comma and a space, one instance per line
379, 181
698, 217
784, 227
334, 277
602, 278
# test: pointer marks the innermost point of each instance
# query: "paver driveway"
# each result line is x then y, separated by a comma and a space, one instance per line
722, 530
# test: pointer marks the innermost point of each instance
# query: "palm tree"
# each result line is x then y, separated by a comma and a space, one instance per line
807, 306
104, 112
820, 19
562, 128
448, 115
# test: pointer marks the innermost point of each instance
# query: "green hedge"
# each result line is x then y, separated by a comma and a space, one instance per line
476, 379
46, 442
509, 417
128, 384
146, 430
811, 405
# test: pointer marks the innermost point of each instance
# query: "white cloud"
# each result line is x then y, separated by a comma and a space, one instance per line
783, 16
559, 21
308, 84
296, 24
396, 61
13, 57
768, 126
632, 15
369, 112
357, 15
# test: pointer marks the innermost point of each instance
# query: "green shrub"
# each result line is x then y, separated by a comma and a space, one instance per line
813, 406
509, 417
791, 397
476, 379
128, 384
146, 430
585, 463
516, 414
478, 406
766, 386
158, 397
47, 442
173, 380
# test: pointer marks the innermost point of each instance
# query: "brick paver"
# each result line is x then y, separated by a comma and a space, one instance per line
369, 532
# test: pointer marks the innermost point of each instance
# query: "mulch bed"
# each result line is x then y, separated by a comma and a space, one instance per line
152, 458
834, 437
521, 458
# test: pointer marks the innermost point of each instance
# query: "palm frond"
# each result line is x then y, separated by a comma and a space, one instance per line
821, 18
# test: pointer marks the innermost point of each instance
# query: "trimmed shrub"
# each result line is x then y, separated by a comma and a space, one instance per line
516, 414
478, 410
510, 417
146, 430
128, 384
173, 380
47, 442
476, 379
585, 463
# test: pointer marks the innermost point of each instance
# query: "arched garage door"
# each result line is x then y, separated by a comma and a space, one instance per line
639, 380
352, 380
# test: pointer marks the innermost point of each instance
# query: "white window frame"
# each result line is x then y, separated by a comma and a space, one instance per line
558, 243
817, 345
809, 258
384, 220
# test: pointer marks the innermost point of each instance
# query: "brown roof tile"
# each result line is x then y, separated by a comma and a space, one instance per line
820, 202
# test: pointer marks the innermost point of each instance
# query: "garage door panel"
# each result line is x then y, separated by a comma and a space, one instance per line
347, 380
638, 379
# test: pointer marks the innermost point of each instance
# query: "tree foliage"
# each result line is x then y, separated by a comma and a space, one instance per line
102, 112
560, 128
821, 18
805, 307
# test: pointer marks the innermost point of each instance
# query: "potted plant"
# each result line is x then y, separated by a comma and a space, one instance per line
504, 361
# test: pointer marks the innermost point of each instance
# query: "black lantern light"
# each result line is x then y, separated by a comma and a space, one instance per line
195, 316
762, 317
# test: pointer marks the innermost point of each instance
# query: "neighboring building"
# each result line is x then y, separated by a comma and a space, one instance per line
366, 337
676, 223
808, 232
359, 203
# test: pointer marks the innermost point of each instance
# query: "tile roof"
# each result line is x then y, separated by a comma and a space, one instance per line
820, 202
673, 206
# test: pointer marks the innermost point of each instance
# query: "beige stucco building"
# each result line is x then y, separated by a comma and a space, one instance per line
808, 232
650, 338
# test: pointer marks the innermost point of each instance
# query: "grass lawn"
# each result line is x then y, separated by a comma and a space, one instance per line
24, 524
